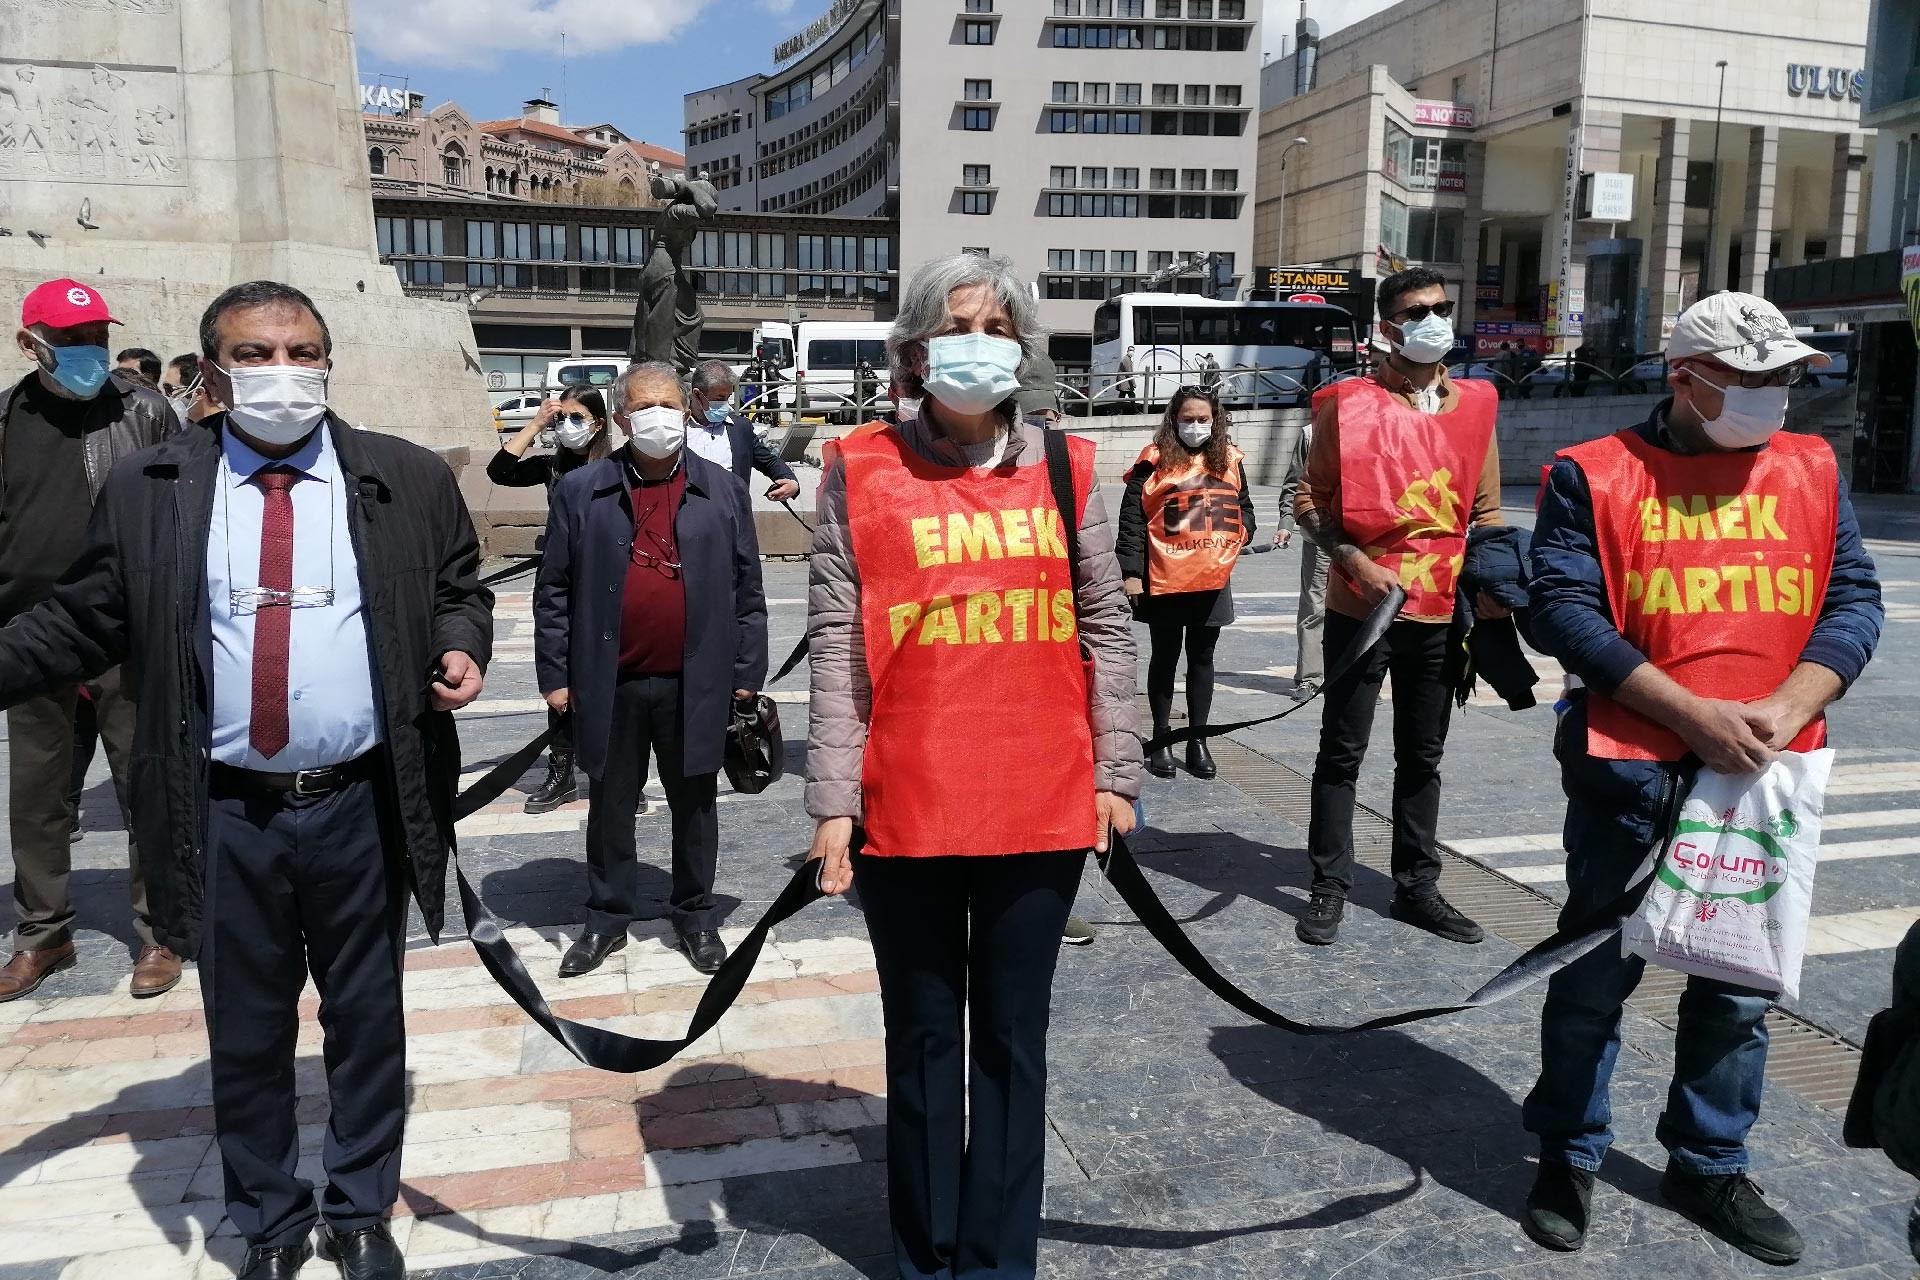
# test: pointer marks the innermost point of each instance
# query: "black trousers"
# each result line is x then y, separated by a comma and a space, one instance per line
966, 949
298, 886
646, 718
1415, 653
561, 722
1199, 641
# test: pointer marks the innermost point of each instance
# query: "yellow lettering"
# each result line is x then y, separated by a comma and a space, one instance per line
1063, 619
1040, 615
1688, 517
983, 615
1417, 569
1788, 582
1636, 585
1736, 576
940, 622
1662, 594
1760, 516
1763, 578
926, 542
972, 537
1650, 517
1732, 516
901, 618
1048, 534
1019, 534
1019, 600
1807, 600
1703, 589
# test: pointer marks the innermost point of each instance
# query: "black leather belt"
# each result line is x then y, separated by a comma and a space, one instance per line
303, 783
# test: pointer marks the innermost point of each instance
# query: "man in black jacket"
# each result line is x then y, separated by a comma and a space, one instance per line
62, 428
648, 617
728, 440
298, 610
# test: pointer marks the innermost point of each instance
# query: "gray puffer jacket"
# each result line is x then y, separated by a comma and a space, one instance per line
842, 692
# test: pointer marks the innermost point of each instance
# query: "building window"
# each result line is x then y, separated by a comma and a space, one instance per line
1226, 179
1066, 37
1433, 235
1126, 122
977, 118
1195, 124
876, 254
1166, 37
1095, 91
976, 202
1166, 8
1059, 259
1233, 10
1129, 37
1193, 179
1093, 260
1393, 225
1096, 122
1098, 38
977, 32
1063, 122
1199, 8
1163, 180
1226, 95
1126, 179
1124, 260
482, 242
1230, 39
977, 250
1164, 123
453, 167
1094, 178
1166, 95
976, 175
1228, 124
1066, 8
1127, 95
1066, 91
1199, 95
1061, 175
979, 6
979, 91
1396, 153
376, 161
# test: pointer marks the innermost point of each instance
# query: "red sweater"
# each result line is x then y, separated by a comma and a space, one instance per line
653, 609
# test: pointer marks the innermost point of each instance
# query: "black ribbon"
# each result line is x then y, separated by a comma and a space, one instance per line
511, 571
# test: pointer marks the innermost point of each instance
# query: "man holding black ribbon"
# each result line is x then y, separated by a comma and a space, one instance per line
299, 610
1702, 575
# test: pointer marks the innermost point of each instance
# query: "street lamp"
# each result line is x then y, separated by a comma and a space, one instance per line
1280, 204
1713, 186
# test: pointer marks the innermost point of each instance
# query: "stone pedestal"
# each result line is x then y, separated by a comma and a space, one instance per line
165, 149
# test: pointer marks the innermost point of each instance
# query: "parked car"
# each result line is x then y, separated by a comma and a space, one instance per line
515, 412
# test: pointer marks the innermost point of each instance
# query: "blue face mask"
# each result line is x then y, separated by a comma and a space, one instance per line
972, 372
81, 370
717, 414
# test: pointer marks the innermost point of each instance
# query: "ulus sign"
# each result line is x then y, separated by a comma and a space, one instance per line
1841, 84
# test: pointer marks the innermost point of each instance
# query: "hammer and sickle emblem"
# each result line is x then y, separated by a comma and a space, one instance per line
1431, 505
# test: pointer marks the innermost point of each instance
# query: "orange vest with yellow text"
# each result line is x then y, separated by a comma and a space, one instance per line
1194, 529
978, 741
1407, 484
1716, 566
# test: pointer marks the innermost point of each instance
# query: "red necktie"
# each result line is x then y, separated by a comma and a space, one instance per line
273, 620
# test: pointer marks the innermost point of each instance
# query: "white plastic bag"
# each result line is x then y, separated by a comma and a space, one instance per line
1733, 891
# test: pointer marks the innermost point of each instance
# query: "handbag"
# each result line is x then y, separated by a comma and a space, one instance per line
755, 756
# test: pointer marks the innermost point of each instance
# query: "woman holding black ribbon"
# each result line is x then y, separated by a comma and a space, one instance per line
576, 426
973, 734
1185, 517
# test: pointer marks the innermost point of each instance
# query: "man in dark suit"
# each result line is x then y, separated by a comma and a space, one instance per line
648, 618
727, 439
298, 610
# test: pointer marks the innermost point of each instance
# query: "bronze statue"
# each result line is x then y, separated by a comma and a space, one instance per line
668, 320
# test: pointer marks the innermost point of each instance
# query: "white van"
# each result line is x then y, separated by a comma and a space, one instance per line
827, 359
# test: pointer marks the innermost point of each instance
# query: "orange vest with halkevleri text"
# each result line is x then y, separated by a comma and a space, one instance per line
1407, 484
978, 741
1194, 527
1716, 566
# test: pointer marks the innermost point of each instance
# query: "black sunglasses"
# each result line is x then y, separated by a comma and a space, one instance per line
1420, 312
1791, 375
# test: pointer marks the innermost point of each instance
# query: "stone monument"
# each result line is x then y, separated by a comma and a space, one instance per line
668, 319
165, 149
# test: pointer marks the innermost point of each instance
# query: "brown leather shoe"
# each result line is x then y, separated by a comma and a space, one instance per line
155, 972
28, 969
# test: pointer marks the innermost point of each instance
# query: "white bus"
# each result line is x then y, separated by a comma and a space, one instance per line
1269, 353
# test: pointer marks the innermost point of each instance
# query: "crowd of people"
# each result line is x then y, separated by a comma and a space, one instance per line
269, 618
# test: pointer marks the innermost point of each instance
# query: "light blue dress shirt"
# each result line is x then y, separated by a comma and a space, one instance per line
332, 713
710, 441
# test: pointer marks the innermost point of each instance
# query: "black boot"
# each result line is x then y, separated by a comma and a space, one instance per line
1558, 1207
1200, 760
559, 788
1160, 763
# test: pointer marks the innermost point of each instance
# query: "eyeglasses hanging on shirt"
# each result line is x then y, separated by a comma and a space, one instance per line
244, 602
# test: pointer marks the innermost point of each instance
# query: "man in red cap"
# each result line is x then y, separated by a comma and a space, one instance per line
62, 428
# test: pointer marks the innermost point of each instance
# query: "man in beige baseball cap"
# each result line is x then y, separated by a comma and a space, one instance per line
1702, 574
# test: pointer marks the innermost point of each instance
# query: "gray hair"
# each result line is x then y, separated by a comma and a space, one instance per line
923, 309
653, 372
709, 374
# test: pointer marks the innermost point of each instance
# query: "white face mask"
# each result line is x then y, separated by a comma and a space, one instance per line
1749, 416
573, 435
277, 404
658, 432
1195, 435
1427, 340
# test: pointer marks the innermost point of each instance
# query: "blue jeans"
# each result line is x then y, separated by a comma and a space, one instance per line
1616, 811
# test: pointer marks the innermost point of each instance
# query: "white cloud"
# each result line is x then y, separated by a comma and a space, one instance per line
1330, 14
480, 33
779, 8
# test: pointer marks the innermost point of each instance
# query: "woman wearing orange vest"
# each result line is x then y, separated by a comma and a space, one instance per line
1186, 514
973, 716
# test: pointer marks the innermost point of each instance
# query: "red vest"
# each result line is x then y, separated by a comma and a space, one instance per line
1716, 566
1407, 483
978, 741
1194, 530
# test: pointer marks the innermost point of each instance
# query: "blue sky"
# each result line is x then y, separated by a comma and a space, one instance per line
629, 61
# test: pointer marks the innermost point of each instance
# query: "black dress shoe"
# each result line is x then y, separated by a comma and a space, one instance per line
1558, 1207
1160, 763
1200, 761
704, 949
276, 1264
366, 1254
585, 955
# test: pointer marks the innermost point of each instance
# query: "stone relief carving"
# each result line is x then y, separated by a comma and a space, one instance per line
97, 124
